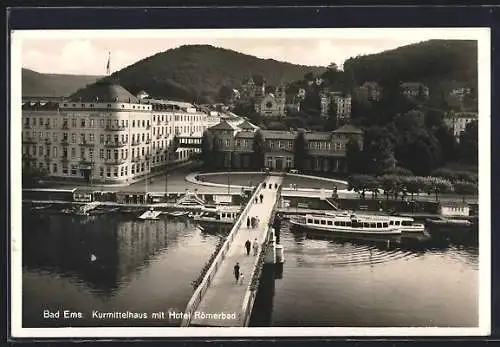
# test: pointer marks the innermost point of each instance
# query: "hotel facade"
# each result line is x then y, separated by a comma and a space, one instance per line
326, 151
105, 134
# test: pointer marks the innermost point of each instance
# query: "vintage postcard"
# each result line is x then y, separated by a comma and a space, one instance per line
291, 182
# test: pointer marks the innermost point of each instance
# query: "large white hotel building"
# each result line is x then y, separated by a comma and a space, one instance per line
106, 134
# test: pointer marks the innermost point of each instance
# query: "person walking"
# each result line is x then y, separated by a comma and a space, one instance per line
248, 222
256, 199
261, 198
237, 272
247, 246
276, 186
264, 185
257, 221
255, 247
252, 222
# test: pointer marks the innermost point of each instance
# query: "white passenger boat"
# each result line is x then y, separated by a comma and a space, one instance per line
151, 214
347, 224
218, 214
406, 224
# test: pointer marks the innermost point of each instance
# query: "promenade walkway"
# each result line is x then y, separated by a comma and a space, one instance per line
224, 295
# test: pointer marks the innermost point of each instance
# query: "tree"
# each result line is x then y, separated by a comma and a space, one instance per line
437, 185
259, 150
398, 171
312, 102
434, 118
413, 184
207, 148
225, 93
378, 152
276, 126
31, 175
465, 188
332, 122
447, 141
353, 156
309, 76
387, 182
468, 147
300, 151
360, 183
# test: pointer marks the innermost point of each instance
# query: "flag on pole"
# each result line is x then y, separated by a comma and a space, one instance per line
109, 62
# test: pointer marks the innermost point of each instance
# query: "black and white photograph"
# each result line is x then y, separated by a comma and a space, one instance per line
319, 182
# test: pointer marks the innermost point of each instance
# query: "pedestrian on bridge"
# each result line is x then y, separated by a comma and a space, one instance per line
237, 272
276, 186
255, 247
261, 197
248, 222
247, 246
264, 185
252, 222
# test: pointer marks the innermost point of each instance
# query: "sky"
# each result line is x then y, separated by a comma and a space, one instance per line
86, 52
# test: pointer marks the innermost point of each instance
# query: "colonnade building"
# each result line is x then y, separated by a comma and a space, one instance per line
105, 134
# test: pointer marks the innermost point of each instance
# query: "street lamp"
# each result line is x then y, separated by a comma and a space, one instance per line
229, 174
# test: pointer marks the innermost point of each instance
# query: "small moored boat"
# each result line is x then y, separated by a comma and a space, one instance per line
218, 214
177, 213
151, 214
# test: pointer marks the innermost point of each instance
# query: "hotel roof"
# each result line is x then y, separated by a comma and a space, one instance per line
316, 136
223, 125
245, 134
104, 91
278, 134
348, 129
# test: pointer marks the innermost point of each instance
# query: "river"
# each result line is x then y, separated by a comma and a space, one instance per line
115, 263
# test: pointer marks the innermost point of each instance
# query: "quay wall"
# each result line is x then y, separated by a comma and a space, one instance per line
127, 198
315, 203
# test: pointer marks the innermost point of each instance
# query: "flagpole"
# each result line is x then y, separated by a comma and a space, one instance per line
108, 64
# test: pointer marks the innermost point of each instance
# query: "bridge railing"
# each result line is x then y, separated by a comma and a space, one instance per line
251, 293
212, 270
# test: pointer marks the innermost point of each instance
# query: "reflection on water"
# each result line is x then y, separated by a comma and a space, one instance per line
116, 263
109, 263
412, 281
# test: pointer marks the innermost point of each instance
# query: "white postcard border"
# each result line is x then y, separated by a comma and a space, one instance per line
484, 102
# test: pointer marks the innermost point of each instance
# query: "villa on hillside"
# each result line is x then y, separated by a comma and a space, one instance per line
233, 147
458, 122
414, 89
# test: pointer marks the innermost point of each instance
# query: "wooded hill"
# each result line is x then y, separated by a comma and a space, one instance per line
440, 64
196, 73
59, 85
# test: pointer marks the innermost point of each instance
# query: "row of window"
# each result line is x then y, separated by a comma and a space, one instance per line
353, 224
107, 171
103, 155
91, 123
318, 145
138, 107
